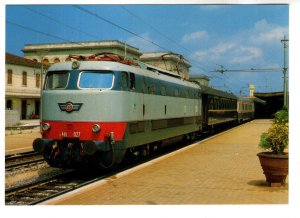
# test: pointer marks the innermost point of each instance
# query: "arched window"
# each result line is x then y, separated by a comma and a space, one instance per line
37, 80
56, 60
9, 76
68, 59
24, 78
45, 61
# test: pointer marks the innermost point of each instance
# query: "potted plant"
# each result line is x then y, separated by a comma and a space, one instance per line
274, 160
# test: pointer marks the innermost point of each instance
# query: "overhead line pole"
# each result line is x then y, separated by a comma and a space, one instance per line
285, 42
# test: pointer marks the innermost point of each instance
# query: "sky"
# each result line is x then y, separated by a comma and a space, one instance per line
208, 36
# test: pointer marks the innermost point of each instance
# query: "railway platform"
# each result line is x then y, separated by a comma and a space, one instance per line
220, 170
19, 139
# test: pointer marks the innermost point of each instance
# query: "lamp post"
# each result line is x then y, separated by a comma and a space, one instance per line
41, 55
41, 85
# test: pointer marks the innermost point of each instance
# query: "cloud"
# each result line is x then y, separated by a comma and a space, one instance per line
253, 47
222, 47
267, 33
211, 7
195, 36
231, 52
245, 55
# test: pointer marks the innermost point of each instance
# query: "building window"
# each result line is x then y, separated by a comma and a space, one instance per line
56, 60
37, 80
9, 105
24, 78
9, 76
45, 61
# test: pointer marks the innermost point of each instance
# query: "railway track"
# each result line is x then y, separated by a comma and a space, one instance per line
22, 160
35, 192
41, 190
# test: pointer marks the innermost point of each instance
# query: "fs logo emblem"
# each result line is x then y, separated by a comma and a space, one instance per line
69, 106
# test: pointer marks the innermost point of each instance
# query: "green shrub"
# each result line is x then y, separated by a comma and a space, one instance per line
276, 139
281, 116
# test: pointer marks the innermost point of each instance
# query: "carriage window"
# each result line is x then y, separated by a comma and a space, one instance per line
163, 90
96, 80
57, 80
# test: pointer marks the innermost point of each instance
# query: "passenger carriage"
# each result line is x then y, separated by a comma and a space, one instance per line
245, 109
219, 108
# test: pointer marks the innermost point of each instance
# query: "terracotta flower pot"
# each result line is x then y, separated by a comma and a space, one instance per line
275, 167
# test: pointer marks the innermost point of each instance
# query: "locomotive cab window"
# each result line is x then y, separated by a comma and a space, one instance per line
132, 81
96, 80
57, 80
123, 81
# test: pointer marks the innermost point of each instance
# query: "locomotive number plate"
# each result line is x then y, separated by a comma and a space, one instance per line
70, 134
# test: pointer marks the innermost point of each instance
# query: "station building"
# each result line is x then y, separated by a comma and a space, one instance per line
168, 61
22, 88
274, 102
59, 52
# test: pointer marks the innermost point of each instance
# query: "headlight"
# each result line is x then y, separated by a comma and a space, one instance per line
45, 126
96, 128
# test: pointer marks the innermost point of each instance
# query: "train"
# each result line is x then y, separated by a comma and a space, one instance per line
101, 109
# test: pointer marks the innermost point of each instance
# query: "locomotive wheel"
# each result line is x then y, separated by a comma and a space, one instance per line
106, 159
109, 159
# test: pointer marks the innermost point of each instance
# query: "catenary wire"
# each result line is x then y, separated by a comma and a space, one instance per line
61, 23
203, 67
129, 31
116, 25
40, 32
99, 17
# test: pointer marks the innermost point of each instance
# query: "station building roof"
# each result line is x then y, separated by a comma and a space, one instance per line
17, 60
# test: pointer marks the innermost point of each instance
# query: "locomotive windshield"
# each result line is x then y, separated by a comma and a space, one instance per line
57, 80
96, 79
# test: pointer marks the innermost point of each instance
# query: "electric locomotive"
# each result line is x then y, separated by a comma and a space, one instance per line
95, 110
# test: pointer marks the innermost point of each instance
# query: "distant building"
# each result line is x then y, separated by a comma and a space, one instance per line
201, 79
59, 52
22, 86
274, 102
168, 61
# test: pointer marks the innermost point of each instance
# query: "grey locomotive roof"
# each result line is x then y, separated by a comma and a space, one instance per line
115, 66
